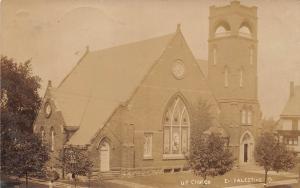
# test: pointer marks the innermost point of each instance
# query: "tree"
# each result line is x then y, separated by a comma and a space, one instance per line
269, 125
23, 155
76, 162
20, 100
204, 118
22, 152
273, 155
209, 156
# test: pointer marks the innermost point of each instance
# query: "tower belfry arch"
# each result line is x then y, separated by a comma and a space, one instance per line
232, 73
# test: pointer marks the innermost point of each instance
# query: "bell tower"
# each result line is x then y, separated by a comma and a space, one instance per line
232, 44
232, 73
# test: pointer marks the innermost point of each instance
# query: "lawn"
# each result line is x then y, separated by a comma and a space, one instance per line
187, 179
233, 178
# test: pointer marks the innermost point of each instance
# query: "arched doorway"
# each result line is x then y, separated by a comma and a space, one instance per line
246, 148
104, 156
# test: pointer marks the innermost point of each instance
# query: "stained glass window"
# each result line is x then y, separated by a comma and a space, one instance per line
52, 139
176, 130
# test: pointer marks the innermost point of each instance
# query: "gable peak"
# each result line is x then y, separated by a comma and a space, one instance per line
178, 29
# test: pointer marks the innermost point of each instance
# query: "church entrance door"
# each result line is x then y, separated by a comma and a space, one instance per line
246, 149
245, 153
104, 157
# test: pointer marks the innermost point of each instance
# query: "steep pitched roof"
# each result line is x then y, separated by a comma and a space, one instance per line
101, 81
203, 66
292, 107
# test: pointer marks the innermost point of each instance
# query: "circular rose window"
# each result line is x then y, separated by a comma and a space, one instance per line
48, 109
178, 69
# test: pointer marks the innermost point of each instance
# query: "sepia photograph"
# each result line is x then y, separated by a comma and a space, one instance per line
150, 93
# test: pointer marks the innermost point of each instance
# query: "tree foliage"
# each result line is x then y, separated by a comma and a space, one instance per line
269, 125
273, 155
76, 162
209, 156
203, 119
20, 100
23, 154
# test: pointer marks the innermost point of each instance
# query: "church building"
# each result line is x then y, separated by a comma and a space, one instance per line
132, 107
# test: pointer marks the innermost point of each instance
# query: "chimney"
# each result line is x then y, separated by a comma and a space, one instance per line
49, 83
292, 89
178, 27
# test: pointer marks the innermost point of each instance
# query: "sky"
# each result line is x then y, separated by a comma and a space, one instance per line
54, 34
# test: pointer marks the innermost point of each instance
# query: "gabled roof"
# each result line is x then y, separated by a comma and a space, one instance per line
292, 107
203, 66
102, 81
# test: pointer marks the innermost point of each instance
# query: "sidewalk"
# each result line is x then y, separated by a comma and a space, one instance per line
261, 185
130, 184
259, 170
286, 174
55, 184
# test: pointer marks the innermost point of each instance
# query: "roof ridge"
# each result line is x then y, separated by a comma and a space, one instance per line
133, 42
88, 51
142, 54
144, 77
77, 64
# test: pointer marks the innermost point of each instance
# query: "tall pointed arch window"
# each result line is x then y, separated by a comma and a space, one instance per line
176, 129
52, 135
251, 55
42, 134
244, 116
249, 117
226, 82
241, 78
214, 55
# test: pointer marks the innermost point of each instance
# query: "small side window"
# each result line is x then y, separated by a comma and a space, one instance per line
148, 145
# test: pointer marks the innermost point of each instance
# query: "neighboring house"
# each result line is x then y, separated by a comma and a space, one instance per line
289, 123
132, 107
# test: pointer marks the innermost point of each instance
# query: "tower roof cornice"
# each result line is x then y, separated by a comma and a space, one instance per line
234, 7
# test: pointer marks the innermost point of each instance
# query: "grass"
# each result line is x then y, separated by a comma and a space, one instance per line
233, 178
187, 180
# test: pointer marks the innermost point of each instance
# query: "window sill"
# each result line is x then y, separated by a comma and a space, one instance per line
173, 156
148, 158
246, 124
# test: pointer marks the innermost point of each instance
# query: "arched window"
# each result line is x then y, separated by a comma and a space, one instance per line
52, 134
251, 55
245, 30
176, 129
244, 117
42, 134
241, 78
226, 83
249, 117
214, 55
222, 29
148, 145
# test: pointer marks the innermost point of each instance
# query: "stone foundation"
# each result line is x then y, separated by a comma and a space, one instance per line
146, 171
